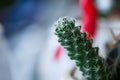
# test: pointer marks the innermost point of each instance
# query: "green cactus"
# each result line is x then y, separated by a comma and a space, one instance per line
80, 49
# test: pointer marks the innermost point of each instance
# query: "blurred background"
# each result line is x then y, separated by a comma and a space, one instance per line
28, 47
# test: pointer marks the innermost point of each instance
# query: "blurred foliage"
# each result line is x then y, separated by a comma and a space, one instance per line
6, 3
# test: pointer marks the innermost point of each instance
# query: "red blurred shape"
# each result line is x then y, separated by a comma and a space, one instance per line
89, 17
58, 52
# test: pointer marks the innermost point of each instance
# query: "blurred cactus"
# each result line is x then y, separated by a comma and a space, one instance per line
113, 62
80, 49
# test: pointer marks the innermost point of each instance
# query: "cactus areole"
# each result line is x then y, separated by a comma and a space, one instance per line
80, 49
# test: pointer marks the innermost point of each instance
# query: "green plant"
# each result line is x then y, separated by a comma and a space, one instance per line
80, 49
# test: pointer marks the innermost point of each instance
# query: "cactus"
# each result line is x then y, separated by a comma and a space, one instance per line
113, 62
80, 49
